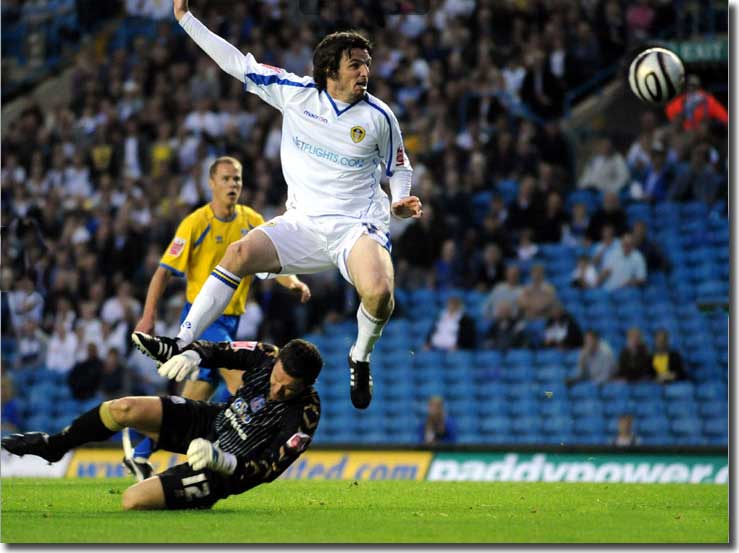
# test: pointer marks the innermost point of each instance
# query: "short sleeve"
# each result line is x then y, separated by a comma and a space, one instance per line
177, 254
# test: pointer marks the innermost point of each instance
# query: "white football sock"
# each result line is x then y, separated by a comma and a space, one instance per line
369, 331
209, 304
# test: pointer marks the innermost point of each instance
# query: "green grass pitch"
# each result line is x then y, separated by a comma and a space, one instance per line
63, 511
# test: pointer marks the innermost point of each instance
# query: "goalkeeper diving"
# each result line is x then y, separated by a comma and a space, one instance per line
231, 447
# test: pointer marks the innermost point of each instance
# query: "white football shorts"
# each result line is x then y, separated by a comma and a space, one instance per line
312, 244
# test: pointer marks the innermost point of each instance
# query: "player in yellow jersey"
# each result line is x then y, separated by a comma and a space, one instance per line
198, 245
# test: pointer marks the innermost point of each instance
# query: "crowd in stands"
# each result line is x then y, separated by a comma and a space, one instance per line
93, 188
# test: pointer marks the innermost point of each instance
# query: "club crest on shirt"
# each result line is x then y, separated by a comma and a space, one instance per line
219, 239
257, 403
357, 133
178, 244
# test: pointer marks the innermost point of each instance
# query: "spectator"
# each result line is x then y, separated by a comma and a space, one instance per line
653, 255
610, 213
606, 171
62, 349
250, 321
114, 308
508, 291
562, 330
699, 181
634, 362
585, 274
607, 244
575, 230
695, 105
595, 362
448, 268
507, 331
626, 436
85, 377
112, 381
25, 302
540, 89
453, 329
623, 266
658, 177
667, 363
490, 268
12, 420
523, 211
549, 227
420, 243
439, 427
32, 344
527, 248
537, 298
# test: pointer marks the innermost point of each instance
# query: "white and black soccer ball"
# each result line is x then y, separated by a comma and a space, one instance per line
656, 76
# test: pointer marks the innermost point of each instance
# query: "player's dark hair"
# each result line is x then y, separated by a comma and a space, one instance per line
302, 360
223, 159
327, 55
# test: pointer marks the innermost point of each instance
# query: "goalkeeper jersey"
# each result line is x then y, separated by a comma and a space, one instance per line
253, 427
333, 154
200, 243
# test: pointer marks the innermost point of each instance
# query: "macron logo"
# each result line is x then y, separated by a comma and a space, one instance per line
314, 116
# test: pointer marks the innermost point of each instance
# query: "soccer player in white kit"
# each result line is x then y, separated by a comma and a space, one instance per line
337, 140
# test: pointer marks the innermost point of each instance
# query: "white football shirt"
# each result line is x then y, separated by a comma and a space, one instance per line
333, 154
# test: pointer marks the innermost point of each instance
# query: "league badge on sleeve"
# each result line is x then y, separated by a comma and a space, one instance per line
298, 441
178, 244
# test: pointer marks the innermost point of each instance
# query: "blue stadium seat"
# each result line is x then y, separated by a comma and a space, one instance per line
645, 391
492, 391
590, 425
556, 425
583, 390
712, 392
549, 357
585, 407
493, 408
495, 425
487, 358
652, 426
554, 407
717, 426
682, 391
524, 408
614, 391
687, 427
680, 408
615, 407
520, 373
525, 425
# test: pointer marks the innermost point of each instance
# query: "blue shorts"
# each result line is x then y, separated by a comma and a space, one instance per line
223, 329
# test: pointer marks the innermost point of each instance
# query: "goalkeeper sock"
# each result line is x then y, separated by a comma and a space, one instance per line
96, 425
369, 330
144, 448
209, 304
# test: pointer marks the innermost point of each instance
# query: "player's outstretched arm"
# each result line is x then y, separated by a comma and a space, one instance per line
157, 286
227, 56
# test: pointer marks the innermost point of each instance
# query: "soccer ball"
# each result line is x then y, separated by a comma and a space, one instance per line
656, 76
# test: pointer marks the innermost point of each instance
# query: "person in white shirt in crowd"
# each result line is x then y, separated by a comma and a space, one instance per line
624, 266
114, 308
24, 302
606, 171
453, 329
607, 244
337, 143
585, 274
61, 352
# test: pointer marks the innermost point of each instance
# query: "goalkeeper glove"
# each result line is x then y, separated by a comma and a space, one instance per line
203, 454
182, 366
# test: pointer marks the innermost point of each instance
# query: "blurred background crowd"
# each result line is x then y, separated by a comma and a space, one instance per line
528, 215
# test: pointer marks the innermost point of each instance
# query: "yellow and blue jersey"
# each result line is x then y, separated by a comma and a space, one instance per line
200, 243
